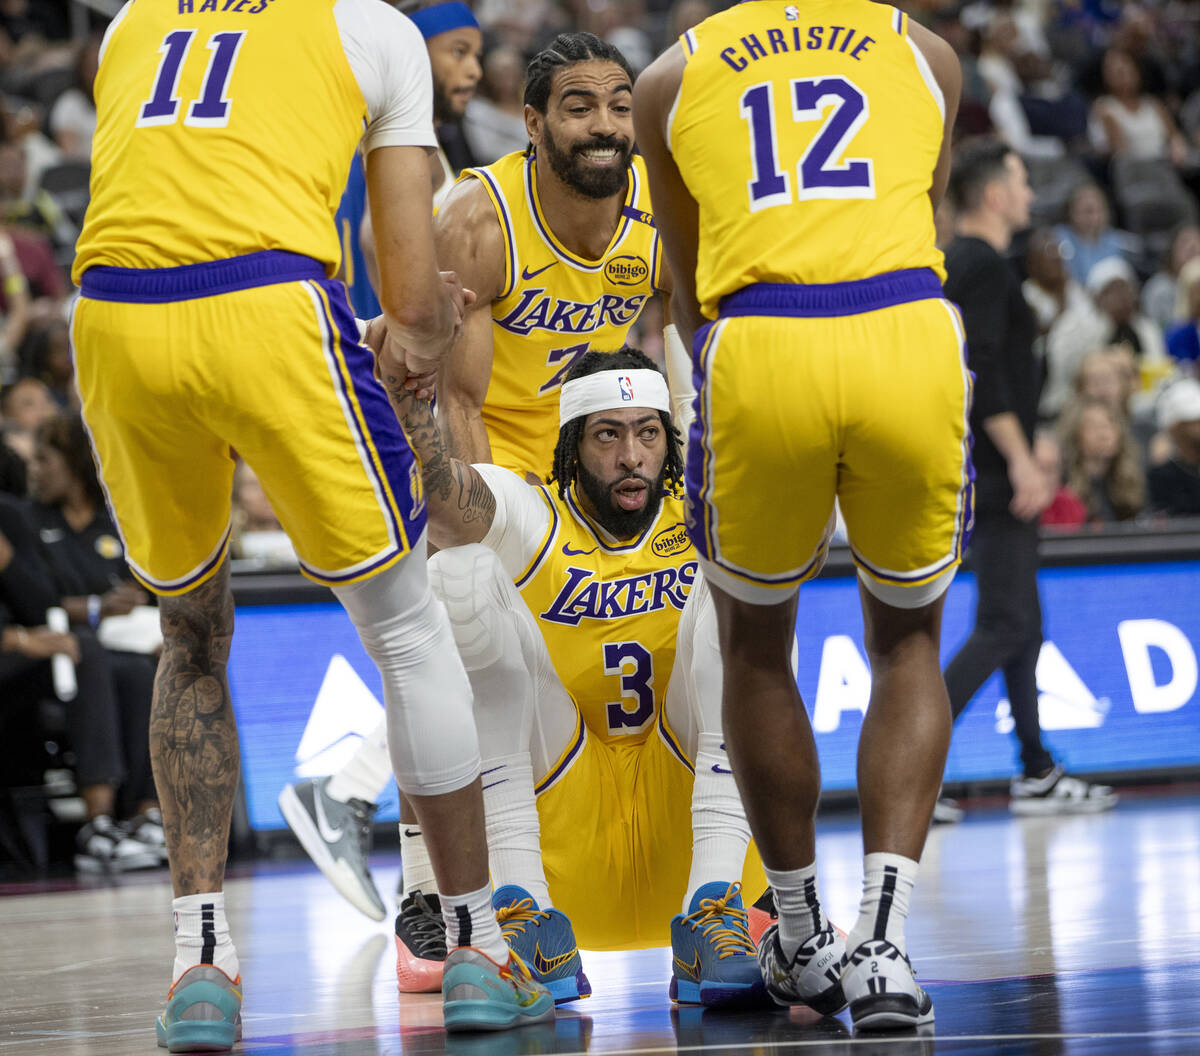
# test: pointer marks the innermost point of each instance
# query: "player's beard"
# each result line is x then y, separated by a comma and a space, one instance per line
569, 167
619, 523
443, 105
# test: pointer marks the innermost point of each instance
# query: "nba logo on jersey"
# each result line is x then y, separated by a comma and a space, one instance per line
791, 13
626, 384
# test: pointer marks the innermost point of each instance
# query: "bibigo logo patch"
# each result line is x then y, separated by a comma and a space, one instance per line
626, 271
669, 541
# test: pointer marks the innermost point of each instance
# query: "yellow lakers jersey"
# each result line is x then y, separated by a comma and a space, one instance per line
609, 614
181, 173
555, 306
808, 134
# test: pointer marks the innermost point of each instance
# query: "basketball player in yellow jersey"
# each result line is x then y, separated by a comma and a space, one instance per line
207, 322
558, 242
796, 154
593, 658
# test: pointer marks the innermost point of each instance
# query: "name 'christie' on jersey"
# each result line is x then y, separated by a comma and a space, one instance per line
607, 610
555, 306
808, 134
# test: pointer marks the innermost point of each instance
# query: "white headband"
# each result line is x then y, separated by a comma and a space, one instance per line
607, 390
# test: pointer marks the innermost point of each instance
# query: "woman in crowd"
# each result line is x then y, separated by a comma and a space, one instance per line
1101, 462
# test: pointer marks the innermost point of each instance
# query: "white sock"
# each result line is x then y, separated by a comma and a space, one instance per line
720, 833
368, 771
887, 886
415, 867
471, 921
202, 934
514, 833
800, 912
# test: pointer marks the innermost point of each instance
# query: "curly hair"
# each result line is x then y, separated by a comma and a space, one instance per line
565, 50
566, 451
1123, 482
66, 434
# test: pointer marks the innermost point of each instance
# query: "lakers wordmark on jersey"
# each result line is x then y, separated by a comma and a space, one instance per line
555, 306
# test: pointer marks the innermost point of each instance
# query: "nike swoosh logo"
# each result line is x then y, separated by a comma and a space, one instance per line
543, 965
576, 553
692, 971
720, 769
328, 833
526, 274
410, 833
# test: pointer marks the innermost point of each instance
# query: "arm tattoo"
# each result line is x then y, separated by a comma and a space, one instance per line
454, 491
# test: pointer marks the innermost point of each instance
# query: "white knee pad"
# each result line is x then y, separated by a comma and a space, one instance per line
472, 584
404, 629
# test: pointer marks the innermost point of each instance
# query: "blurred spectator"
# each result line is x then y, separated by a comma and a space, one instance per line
1127, 122
1088, 236
1066, 510
1111, 318
1175, 484
256, 534
1159, 295
16, 306
1183, 340
22, 124
26, 403
72, 118
1101, 462
14, 478
495, 118
19, 204
51, 363
1108, 375
1049, 289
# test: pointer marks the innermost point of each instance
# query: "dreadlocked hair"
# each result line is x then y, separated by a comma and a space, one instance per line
566, 50
566, 451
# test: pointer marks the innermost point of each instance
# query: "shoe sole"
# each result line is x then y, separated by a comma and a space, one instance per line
888, 1012
1044, 807
301, 824
196, 1036
716, 994
85, 863
463, 1016
416, 975
569, 988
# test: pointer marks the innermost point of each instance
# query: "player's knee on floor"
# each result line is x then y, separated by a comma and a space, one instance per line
472, 584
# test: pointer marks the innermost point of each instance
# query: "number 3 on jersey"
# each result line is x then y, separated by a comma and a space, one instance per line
211, 110
635, 664
822, 171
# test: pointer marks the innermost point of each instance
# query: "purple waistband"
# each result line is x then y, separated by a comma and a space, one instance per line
183, 283
834, 298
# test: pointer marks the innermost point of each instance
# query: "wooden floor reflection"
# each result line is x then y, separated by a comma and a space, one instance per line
1076, 936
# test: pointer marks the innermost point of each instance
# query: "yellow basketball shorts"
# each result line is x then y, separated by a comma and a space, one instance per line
858, 391
616, 825
181, 368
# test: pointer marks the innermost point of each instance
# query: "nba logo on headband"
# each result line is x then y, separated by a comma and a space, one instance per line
626, 384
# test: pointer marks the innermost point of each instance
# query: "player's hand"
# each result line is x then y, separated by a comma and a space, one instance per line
122, 599
41, 643
1031, 490
425, 361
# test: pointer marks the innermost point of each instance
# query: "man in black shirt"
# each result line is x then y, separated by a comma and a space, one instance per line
991, 193
1175, 485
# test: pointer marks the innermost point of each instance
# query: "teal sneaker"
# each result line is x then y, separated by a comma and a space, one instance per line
544, 940
203, 1013
479, 994
713, 957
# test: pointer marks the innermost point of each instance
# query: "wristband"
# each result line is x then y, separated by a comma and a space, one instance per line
93, 610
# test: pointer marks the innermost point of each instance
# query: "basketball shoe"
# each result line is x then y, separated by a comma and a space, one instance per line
713, 957
420, 944
337, 837
812, 977
203, 1012
882, 989
103, 846
544, 940
1059, 793
479, 994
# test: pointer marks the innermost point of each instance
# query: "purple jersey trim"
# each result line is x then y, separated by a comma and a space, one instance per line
826, 300
189, 281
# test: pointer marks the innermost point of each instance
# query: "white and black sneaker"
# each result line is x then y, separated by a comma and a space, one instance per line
881, 989
147, 828
812, 977
337, 837
103, 846
947, 811
1059, 793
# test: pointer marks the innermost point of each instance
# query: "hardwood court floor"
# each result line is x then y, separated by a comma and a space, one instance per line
1042, 936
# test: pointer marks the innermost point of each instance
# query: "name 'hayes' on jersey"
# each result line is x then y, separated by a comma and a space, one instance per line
609, 613
555, 306
808, 133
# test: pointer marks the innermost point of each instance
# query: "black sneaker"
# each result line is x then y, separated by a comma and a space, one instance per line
103, 846
420, 944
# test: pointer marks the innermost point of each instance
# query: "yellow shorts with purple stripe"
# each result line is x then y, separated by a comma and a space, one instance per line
180, 368
858, 391
616, 822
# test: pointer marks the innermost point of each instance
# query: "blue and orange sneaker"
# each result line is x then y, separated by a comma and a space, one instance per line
479, 994
714, 959
544, 940
203, 1013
